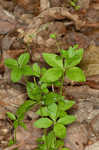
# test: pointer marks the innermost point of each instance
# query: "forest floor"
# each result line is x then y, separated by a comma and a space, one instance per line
21, 18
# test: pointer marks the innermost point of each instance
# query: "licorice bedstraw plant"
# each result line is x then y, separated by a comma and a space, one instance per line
52, 106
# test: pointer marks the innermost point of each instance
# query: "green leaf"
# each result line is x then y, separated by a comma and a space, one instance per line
64, 53
57, 84
27, 70
45, 91
53, 60
43, 111
60, 130
41, 147
61, 113
23, 125
75, 74
43, 70
11, 142
52, 75
72, 3
65, 149
68, 119
77, 7
44, 88
59, 143
39, 140
16, 124
71, 52
21, 116
50, 140
11, 63
53, 36
52, 110
34, 91
74, 59
76, 45
50, 98
11, 116
23, 59
36, 70
43, 123
24, 108
16, 75
65, 105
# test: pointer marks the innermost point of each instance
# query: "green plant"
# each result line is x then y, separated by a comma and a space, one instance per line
19, 117
73, 3
52, 106
19, 67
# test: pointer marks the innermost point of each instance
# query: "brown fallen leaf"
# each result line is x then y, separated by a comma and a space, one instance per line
90, 61
77, 136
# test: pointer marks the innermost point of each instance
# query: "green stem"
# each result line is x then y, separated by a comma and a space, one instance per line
41, 111
61, 88
14, 135
62, 80
45, 141
58, 47
55, 141
25, 78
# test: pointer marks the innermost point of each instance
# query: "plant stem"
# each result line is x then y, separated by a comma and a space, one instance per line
62, 80
58, 47
61, 88
15, 136
52, 87
45, 141
25, 78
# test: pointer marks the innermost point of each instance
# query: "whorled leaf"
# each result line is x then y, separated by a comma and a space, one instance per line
59, 130
43, 123
53, 60
11, 63
16, 74
52, 75
23, 59
75, 74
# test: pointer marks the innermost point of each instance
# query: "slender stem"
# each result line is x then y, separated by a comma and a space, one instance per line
61, 88
55, 141
58, 47
34, 80
45, 141
41, 111
25, 78
62, 81
14, 135
52, 87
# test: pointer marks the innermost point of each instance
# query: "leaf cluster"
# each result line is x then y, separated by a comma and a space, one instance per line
19, 67
53, 107
19, 117
20, 113
73, 3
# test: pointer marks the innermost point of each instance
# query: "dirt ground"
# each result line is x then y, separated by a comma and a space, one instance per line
39, 18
